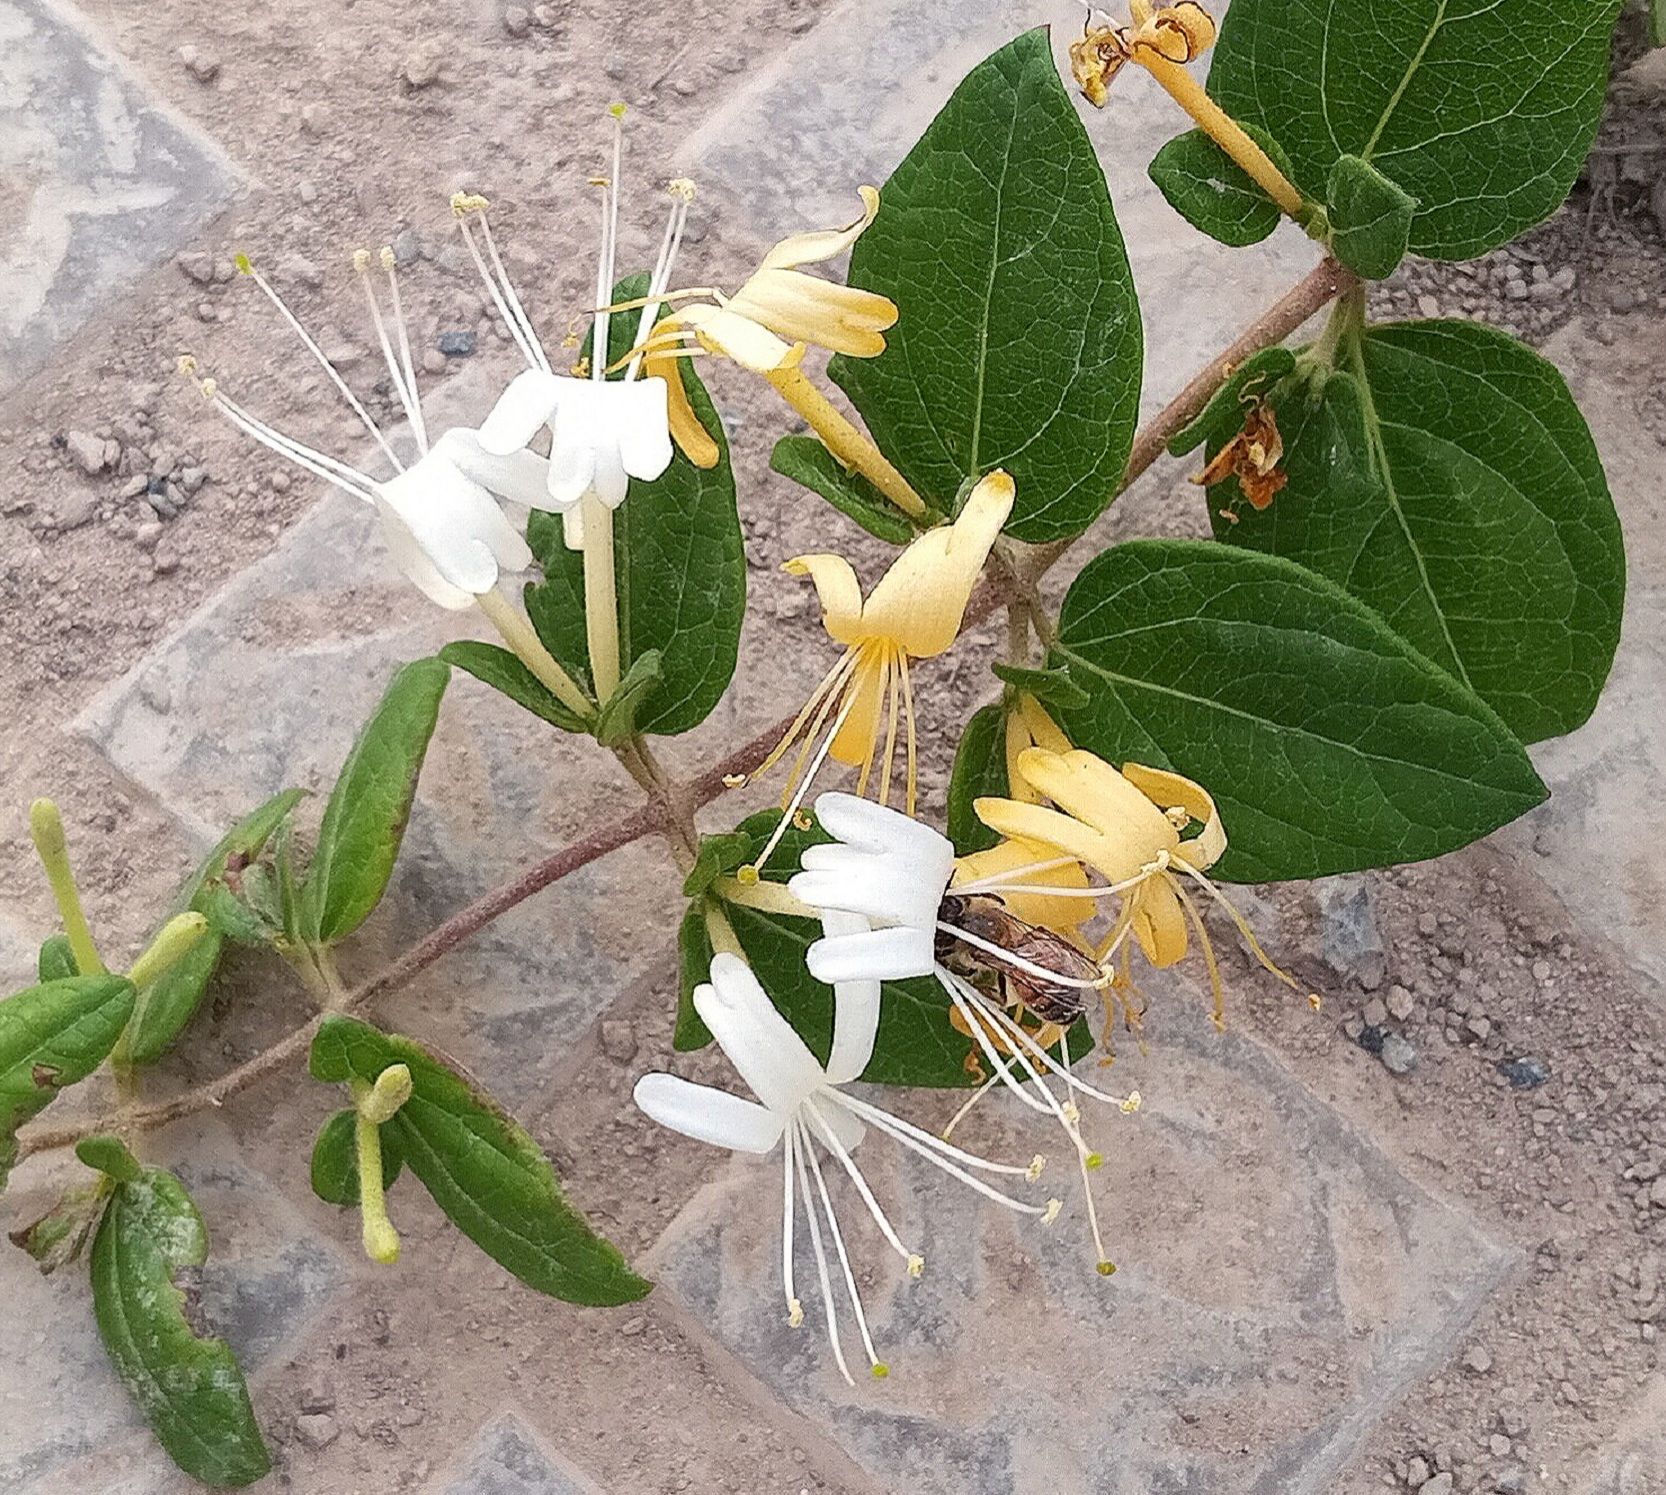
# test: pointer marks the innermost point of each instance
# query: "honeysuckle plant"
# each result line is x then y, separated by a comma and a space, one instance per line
1415, 572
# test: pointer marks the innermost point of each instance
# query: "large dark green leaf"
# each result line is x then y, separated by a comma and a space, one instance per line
680, 566
52, 1036
806, 461
1212, 192
980, 768
503, 671
1019, 342
169, 1002
694, 963
1328, 742
491, 1179
191, 1389
364, 822
1450, 482
1482, 110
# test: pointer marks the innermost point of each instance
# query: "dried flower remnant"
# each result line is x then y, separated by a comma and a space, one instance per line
1255, 456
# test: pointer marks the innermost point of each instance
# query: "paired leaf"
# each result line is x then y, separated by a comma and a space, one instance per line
980, 769
1370, 218
109, 1155
807, 462
335, 1159
169, 1002
694, 963
1450, 482
617, 720
1482, 112
1212, 192
680, 569
1328, 742
364, 822
1019, 342
191, 1389
491, 1179
52, 1036
503, 671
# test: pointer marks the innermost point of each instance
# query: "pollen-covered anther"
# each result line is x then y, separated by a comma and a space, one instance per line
916, 1264
208, 387
880, 1370
386, 256
802, 820
187, 364
464, 203
361, 261
1051, 1213
1132, 1104
1037, 1163
1093, 1161
681, 187
244, 267
747, 876
1106, 1268
795, 1314
1071, 1112
734, 781
1315, 1001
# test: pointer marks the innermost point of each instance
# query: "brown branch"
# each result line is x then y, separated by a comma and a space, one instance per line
669, 809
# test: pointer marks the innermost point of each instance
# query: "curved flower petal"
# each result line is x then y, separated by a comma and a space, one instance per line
692, 438
878, 955
413, 561
870, 827
854, 742
838, 591
708, 1114
457, 524
1117, 857
1088, 788
855, 1009
737, 337
805, 309
760, 1043
1004, 862
645, 438
820, 245
921, 600
1164, 789
1159, 921
521, 410
521, 476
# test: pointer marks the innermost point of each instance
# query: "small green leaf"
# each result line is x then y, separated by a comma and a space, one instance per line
335, 1159
62, 1233
503, 671
491, 1179
109, 1155
1212, 192
694, 963
1327, 741
364, 822
1450, 482
1019, 342
1370, 218
617, 719
680, 568
53, 1036
191, 1389
1051, 686
718, 855
57, 960
169, 1002
980, 768
807, 462
1483, 112
1223, 416
233, 918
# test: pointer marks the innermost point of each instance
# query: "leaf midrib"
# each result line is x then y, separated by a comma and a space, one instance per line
989, 285
1405, 79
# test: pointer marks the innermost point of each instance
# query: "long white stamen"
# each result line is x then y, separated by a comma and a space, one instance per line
661, 277
324, 363
530, 349
1083, 1164
966, 1110
831, 1142
821, 1258
350, 479
532, 346
406, 394
795, 1309
418, 425
804, 783
1027, 1041
895, 1125
989, 884
600, 349
1017, 962
844, 1261
1050, 1102
980, 1035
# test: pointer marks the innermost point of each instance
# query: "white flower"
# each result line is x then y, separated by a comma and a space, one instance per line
441, 523
799, 1100
603, 431
891, 872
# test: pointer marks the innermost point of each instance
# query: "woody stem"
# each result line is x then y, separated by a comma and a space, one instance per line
846, 443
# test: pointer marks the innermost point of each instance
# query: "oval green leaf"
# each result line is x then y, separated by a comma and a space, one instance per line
335, 1159
807, 462
980, 769
1212, 192
503, 671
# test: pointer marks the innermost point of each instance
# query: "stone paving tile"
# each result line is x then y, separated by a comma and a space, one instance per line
505, 1460
102, 180
1280, 1283
843, 105
1613, 767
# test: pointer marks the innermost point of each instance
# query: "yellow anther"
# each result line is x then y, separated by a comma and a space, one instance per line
1315, 1001
1071, 1112
580, 368
464, 203
747, 876
795, 1313
617, 110
1037, 1163
385, 255
734, 781
681, 186
598, 181
1132, 1104
801, 819
881, 1370
208, 387
1051, 1213
361, 260
916, 1265
1106, 1268
1093, 1160
187, 364
243, 265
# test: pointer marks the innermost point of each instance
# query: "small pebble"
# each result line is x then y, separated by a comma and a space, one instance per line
517, 20
1524, 1073
456, 344
203, 66
316, 1430
1478, 1359
1398, 1055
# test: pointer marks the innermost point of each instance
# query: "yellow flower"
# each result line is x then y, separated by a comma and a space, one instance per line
914, 613
1170, 33
766, 324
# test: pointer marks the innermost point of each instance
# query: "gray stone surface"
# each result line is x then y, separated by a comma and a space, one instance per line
1279, 1285
101, 180
507, 1461
843, 105
1634, 1461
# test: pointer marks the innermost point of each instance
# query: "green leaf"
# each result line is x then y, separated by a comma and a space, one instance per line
1223, 416
1453, 485
56, 961
1483, 112
680, 566
109, 1155
1212, 192
335, 1159
1051, 686
190, 1389
236, 919
169, 1002
1370, 217
980, 769
503, 671
617, 719
694, 963
52, 1036
491, 1179
1019, 342
718, 855
807, 462
62, 1233
364, 822
1327, 741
